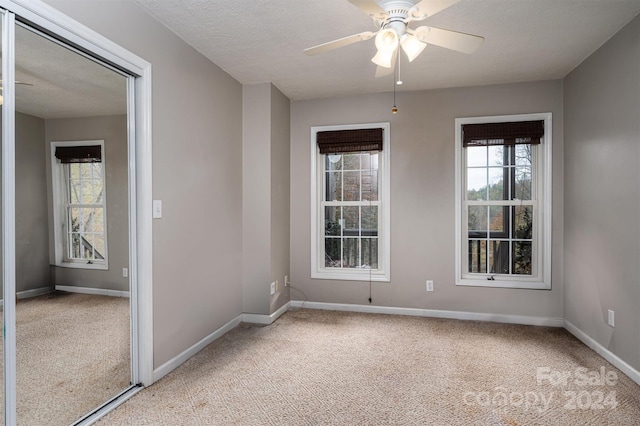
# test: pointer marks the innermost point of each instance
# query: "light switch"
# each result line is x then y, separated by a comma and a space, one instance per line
157, 209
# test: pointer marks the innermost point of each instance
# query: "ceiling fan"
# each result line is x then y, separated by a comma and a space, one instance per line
392, 17
16, 82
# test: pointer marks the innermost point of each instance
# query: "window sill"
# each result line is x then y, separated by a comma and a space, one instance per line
351, 275
530, 284
78, 265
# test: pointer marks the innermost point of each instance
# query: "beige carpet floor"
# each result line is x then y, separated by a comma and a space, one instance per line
334, 368
72, 355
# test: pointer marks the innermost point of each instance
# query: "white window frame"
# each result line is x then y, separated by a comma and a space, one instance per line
318, 271
542, 190
59, 188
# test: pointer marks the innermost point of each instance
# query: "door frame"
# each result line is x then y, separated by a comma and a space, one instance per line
52, 22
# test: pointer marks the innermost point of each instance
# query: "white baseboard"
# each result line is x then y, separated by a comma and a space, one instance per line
33, 292
175, 362
89, 290
433, 313
603, 352
266, 319
25, 294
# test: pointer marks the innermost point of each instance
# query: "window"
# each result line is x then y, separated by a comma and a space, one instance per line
80, 226
503, 201
350, 202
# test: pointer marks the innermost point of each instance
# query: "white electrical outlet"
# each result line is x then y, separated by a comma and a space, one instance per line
429, 285
611, 320
125, 272
286, 280
273, 288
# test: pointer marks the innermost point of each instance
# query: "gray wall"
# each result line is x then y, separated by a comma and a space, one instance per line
280, 195
197, 173
265, 209
113, 130
32, 235
256, 197
422, 197
602, 203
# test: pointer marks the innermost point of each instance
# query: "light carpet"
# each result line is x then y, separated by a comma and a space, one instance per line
72, 355
315, 367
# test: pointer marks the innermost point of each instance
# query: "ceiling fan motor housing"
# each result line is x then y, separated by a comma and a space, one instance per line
398, 15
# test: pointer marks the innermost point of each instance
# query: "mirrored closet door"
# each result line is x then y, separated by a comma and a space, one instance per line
72, 233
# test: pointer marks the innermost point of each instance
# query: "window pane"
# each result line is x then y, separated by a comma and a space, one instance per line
476, 156
497, 182
90, 220
98, 245
370, 221
477, 221
496, 155
351, 186
76, 219
351, 161
87, 196
498, 257
477, 184
523, 183
522, 222
98, 220
369, 253
523, 155
86, 241
370, 185
333, 162
332, 220
498, 221
332, 253
333, 186
477, 256
350, 252
365, 160
522, 257
375, 158
351, 216
75, 246
74, 191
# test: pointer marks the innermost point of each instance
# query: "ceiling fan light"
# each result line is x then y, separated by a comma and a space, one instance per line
412, 46
387, 40
383, 58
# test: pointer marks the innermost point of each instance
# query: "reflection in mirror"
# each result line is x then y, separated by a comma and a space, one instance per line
72, 237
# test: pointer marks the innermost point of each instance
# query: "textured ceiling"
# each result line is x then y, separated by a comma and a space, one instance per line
259, 41
63, 83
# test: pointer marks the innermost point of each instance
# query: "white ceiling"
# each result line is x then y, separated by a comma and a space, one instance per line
258, 41
63, 83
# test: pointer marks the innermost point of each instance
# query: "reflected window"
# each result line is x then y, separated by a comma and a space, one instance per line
80, 204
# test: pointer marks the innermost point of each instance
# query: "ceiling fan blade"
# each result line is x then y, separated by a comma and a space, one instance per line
341, 42
20, 83
431, 7
370, 7
460, 42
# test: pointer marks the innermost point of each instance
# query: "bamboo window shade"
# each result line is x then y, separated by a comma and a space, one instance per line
353, 140
79, 154
510, 133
